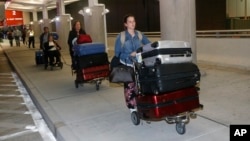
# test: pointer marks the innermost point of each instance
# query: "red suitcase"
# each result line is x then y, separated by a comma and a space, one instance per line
169, 104
95, 72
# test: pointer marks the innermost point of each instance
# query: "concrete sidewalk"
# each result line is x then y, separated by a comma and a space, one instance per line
85, 114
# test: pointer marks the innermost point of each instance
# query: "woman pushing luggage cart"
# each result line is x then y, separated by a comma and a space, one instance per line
90, 63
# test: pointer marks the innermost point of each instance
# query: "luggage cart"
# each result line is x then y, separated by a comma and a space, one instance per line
180, 119
94, 77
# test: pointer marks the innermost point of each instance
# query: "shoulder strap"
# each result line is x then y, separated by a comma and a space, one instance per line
122, 34
139, 35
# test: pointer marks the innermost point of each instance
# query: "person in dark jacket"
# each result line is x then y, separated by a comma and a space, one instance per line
10, 36
76, 30
44, 38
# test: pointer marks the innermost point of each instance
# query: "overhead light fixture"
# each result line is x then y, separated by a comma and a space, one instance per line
81, 12
105, 11
51, 21
57, 19
85, 12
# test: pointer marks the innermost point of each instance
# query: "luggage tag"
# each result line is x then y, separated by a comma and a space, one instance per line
138, 57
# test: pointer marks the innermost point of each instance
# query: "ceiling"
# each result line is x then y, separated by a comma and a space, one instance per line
32, 5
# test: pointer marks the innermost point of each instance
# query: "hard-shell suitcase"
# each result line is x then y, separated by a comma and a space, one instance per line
92, 60
95, 72
88, 48
166, 52
168, 104
39, 57
168, 77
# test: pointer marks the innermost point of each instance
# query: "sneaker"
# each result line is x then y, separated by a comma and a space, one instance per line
133, 110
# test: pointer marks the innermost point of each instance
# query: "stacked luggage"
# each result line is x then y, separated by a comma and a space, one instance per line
91, 63
167, 83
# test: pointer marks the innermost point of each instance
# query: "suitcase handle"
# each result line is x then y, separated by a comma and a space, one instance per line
154, 44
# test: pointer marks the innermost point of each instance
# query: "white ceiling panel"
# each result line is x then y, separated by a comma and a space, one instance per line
34, 5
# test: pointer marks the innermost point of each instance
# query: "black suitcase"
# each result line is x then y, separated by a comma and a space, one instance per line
92, 60
39, 57
168, 77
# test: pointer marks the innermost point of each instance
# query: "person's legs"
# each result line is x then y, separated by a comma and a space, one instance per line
33, 42
46, 59
30, 41
23, 38
11, 42
130, 94
58, 56
51, 58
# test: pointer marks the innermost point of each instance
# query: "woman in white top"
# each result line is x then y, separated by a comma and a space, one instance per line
53, 51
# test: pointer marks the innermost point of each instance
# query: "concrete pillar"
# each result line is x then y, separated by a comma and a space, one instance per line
92, 2
60, 7
46, 20
63, 26
178, 22
45, 12
95, 24
36, 27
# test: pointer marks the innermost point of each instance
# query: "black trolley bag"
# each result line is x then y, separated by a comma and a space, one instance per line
39, 57
91, 60
167, 77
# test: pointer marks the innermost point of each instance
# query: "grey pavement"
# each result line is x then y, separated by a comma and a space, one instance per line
86, 114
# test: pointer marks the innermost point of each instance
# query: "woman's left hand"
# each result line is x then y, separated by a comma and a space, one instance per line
133, 54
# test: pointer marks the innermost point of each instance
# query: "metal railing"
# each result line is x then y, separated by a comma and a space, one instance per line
244, 33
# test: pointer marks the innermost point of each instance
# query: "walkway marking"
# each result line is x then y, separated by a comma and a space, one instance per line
7, 85
19, 126
40, 124
14, 112
2, 138
10, 95
6, 74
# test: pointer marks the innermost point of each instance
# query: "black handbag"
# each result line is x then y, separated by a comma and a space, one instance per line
115, 61
122, 74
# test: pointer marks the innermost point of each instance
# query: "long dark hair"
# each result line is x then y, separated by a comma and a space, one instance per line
74, 25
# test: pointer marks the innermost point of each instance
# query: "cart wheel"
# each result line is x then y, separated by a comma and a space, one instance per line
61, 65
180, 128
97, 85
157, 62
135, 118
76, 84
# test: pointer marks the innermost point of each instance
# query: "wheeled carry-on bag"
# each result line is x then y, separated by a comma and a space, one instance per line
92, 60
166, 52
95, 72
168, 104
88, 48
39, 57
167, 77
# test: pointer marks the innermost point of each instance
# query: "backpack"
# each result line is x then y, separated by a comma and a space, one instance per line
123, 36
